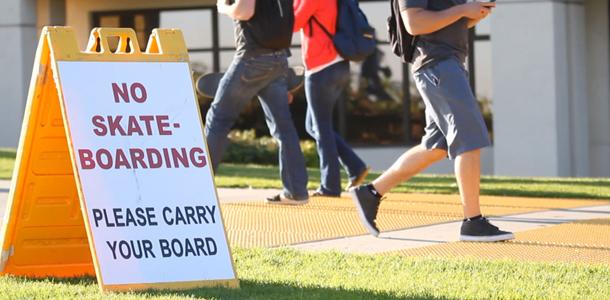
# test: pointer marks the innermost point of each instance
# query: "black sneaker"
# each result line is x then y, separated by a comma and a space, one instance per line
285, 200
480, 230
320, 193
368, 206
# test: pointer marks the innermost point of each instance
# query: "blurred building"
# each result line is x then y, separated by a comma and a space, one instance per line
540, 69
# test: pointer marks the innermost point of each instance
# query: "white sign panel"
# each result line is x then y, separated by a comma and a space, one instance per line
144, 172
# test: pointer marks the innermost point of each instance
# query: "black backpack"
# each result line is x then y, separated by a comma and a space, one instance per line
272, 23
403, 43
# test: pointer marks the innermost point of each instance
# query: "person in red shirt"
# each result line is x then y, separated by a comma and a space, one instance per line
327, 75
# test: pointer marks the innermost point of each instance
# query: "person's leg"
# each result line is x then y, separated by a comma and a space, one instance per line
310, 125
354, 166
433, 148
274, 101
368, 197
322, 90
452, 99
468, 176
447, 93
318, 92
409, 164
231, 97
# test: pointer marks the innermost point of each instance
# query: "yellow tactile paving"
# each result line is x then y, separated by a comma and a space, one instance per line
250, 225
519, 203
256, 224
587, 233
583, 242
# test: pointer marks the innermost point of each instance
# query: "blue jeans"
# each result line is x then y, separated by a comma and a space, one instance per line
262, 76
323, 89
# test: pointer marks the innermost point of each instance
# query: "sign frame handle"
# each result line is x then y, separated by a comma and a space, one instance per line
99, 39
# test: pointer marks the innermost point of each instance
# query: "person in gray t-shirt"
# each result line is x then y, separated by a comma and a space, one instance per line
448, 41
454, 124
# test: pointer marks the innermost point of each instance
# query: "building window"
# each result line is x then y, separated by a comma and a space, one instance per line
142, 22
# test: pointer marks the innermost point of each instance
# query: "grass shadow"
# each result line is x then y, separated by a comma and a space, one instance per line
264, 290
249, 289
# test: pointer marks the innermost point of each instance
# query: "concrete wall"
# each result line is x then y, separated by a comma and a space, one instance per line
598, 86
18, 36
50, 13
380, 159
540, 84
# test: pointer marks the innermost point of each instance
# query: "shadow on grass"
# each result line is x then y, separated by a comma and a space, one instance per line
262, 290
250, 289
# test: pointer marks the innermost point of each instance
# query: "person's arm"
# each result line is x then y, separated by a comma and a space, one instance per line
420, 21
473, 22
241, 10
303, 11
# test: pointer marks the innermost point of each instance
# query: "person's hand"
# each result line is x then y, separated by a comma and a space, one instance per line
477, 10
290, 98
221, 6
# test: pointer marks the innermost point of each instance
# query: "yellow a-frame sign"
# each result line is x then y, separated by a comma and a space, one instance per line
111, 177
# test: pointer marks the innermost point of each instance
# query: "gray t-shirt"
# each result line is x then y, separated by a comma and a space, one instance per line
245, 44
447, 42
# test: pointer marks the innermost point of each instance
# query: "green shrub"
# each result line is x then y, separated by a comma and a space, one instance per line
247, 148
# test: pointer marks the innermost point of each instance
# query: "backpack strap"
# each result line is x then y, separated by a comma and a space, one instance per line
321, 26
310, 27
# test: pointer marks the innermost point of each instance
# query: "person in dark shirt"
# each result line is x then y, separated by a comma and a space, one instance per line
454, 124
257, 71
369, 72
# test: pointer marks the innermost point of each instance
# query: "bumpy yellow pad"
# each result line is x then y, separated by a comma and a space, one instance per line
257, 224
583, 241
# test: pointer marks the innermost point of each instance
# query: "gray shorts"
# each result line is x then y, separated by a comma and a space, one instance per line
453, 120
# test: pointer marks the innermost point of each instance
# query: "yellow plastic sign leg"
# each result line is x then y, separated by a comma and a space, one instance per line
43, 232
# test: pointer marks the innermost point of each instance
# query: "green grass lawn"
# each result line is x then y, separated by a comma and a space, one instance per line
288, 274
267, 177
256, 176
7, 160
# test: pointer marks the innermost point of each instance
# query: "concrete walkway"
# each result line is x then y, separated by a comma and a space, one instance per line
225, 195
449, 232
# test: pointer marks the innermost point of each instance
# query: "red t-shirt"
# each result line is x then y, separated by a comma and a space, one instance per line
317, 47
